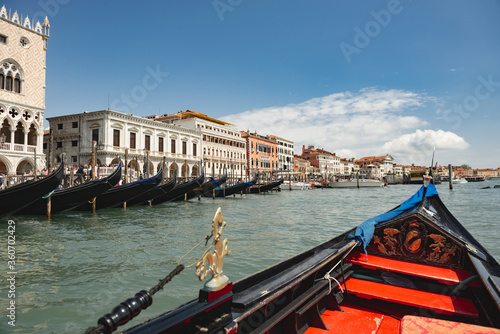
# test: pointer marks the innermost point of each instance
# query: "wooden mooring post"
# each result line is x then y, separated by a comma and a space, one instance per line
450, 176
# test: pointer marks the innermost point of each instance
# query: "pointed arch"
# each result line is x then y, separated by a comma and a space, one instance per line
19, 133
32, 135
11, 75
6, 130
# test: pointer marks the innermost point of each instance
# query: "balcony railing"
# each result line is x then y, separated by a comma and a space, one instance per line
18, 147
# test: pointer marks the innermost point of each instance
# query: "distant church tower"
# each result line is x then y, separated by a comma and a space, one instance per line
23, 46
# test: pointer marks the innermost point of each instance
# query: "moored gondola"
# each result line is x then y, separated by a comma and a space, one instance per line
19, 196
258, 189
238, 188
206, 188
148, 196
179, 190
69, 198
120, 194
413, 268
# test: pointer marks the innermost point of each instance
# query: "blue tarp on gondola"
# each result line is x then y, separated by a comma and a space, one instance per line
364, 232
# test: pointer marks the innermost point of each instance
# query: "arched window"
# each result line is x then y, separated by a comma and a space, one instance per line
10, 77
19, 134
17, 84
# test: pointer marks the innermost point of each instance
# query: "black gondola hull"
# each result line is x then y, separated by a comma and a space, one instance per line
150, 195
118, 195
266, 187
179, 190
22, 195
70, 198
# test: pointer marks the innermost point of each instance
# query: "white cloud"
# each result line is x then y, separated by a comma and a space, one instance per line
367, 122
418, 146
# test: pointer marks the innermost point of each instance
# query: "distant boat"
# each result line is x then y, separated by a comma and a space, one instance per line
296, 185
363, 183
474, 178
458, 180
417, 176
15, 198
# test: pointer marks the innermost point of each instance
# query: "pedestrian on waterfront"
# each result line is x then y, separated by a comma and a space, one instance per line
80, 174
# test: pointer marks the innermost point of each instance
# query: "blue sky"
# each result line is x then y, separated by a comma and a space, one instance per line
354, 77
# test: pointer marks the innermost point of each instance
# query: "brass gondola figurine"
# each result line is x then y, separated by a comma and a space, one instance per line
215, 259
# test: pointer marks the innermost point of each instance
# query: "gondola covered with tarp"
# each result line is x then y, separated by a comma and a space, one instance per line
414, 269
19, 196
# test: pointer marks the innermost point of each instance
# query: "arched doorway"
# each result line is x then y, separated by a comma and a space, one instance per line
132, 164
97, 162
151, 169
3, 168
194, 171
173, 169
115, 161
24, 167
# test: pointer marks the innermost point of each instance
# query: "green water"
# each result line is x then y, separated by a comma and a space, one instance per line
78, 266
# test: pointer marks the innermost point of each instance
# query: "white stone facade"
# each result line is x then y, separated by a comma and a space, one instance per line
143, 139
223, 147
23, 48
285, 153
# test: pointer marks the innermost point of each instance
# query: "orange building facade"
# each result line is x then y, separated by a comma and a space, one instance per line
262, 153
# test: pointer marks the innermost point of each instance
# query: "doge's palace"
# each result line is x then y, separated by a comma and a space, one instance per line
23, 46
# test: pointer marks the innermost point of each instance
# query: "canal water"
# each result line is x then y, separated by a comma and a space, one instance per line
76, 267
